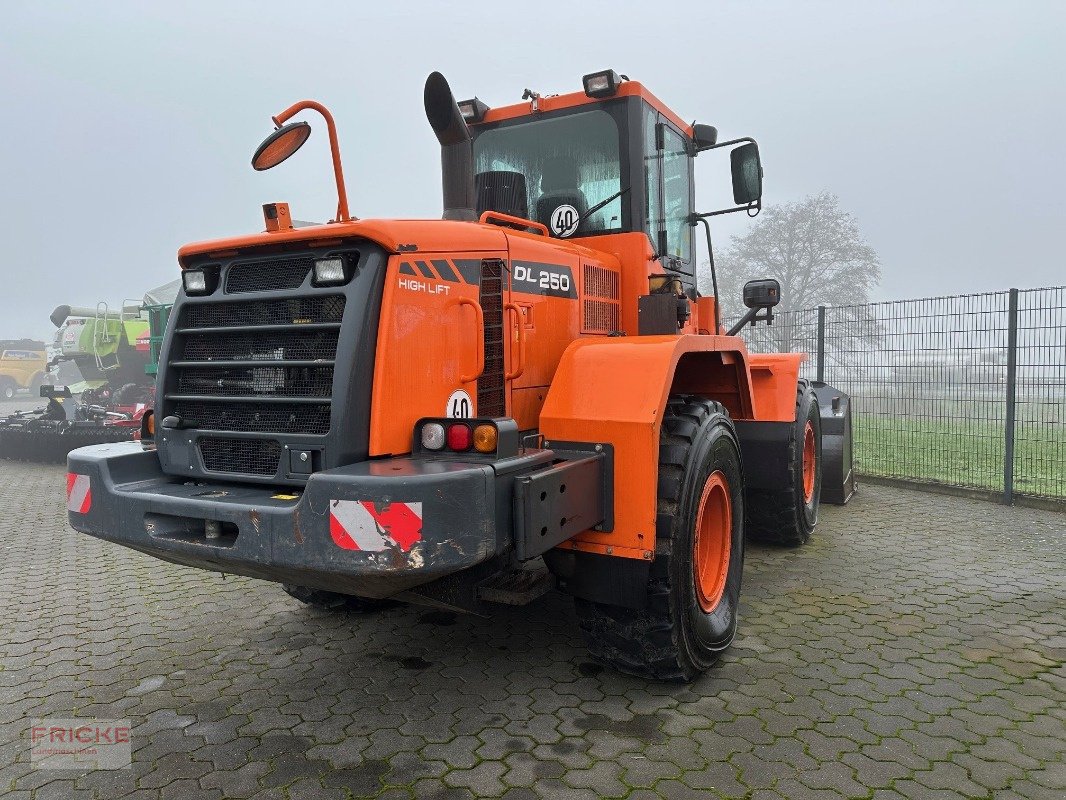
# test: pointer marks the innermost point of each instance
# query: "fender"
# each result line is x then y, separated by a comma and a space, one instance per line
594, 398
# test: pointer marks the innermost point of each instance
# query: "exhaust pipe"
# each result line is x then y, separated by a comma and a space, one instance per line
59, 316
456, 149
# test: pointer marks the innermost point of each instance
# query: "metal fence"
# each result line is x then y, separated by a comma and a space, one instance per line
966, 391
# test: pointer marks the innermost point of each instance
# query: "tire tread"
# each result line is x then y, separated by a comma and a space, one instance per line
773, 517
645, 642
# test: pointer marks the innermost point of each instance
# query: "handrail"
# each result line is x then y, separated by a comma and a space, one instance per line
517, 370
516, 221
479, 342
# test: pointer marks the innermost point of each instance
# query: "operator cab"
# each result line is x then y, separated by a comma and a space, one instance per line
613, 159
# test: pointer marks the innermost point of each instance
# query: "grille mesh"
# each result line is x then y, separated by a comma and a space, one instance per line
278, 346
491, 398
276, 381
255, 417
603, 314
291, 311
264, 399
262, 276
600, 317
250, 456
601, 282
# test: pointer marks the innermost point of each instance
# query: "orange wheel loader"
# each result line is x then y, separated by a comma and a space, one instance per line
527, 394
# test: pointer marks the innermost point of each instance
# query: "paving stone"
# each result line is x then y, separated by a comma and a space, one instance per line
886, 659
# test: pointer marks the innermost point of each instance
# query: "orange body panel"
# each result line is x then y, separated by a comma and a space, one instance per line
613, 391
428, 342
634, 251
395, 235
703, 316
773, 380
551, 322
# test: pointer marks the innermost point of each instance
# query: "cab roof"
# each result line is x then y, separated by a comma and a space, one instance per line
556, 102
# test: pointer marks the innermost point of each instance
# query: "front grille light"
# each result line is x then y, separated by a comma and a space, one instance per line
199, 281
330, 272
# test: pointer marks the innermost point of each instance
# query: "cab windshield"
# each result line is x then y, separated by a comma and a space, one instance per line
568, 165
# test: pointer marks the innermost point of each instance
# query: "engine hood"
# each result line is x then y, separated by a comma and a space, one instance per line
394, 235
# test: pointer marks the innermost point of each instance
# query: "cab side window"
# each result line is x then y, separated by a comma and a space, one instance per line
653, 223
677, 197
668, 183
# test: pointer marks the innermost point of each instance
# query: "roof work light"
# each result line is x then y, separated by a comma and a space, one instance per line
601, 84
472, 110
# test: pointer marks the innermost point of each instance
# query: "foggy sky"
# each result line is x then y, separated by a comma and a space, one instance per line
129, 126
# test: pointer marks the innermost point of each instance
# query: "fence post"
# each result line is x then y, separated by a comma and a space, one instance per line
821, 344
1012, 391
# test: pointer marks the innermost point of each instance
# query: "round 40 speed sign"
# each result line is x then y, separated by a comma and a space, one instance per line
564, 220
459, 405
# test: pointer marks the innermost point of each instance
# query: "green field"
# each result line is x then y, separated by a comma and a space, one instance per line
962, 452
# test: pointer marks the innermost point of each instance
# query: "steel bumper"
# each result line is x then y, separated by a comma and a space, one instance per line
374, 528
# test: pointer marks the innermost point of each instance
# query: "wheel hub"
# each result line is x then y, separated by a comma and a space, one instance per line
713, 539
810, 456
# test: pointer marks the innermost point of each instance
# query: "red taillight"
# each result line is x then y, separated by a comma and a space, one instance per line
458, 437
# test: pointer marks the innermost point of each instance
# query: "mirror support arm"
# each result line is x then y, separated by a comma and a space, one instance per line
714, 277
756, 207
730, 143
334, 146
752, 316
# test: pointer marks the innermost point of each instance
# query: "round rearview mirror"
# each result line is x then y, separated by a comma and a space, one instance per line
281, 144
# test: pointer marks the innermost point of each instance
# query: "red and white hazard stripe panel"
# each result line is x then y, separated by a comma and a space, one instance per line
373, 527
79, 493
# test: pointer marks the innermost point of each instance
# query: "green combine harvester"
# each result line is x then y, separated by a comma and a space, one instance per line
101, 378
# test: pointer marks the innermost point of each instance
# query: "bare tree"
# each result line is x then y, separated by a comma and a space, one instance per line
814, 248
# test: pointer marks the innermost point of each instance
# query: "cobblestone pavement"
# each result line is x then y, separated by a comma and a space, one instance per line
914, 649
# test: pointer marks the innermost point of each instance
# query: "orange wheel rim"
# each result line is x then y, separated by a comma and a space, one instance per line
810, 457
714, 534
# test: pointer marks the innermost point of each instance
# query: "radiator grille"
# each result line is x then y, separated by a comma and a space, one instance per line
290, 311
249, 456
255, 417
601, 309
272, 381
273, 275
491, 397
600, 317
295, 345
259, 369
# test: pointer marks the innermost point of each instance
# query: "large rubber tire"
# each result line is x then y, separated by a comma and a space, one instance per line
788, 516
676, 638
335, 601
7, 389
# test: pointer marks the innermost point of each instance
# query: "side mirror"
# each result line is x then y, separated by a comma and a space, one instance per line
280, 144
760, 296
762, 293
704, 137
747, 174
